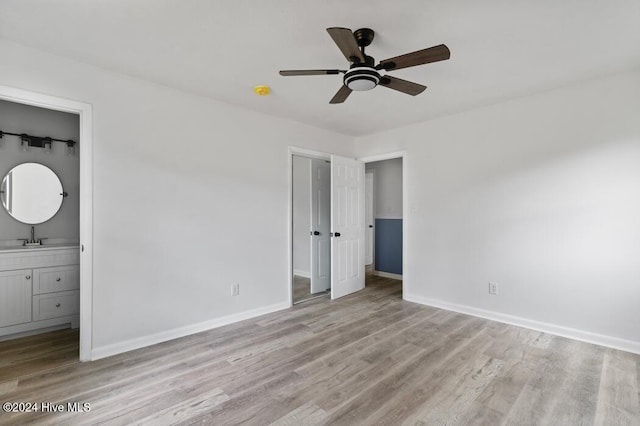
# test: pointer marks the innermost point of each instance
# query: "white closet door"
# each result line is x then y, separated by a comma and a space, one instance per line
320, 226
347, 226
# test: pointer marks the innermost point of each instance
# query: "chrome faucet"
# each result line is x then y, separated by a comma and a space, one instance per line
32, 241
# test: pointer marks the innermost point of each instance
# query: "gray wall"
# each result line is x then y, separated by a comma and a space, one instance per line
387, 188
19, 118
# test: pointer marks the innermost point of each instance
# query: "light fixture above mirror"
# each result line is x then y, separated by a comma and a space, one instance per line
46, 142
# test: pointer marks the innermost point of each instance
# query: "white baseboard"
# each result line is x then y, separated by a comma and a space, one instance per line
558, 330
163, 336
303, 274
387, 275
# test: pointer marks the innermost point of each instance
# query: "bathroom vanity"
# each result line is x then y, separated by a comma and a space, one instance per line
39, 288
39, 277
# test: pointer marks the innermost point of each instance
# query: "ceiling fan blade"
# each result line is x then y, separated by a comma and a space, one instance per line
401, 85
420, 57
347, 43
341, 95
308, 72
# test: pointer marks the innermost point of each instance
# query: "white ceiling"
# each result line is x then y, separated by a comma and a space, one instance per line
500, 49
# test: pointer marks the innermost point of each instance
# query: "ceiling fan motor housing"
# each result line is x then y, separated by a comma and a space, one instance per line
360, 78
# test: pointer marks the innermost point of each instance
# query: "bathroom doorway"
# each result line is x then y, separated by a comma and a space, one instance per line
57, 284
39, 238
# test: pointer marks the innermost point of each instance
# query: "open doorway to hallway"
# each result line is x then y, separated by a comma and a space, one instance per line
384, 217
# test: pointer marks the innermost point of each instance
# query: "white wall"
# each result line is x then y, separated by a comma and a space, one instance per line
541, 195
190, 196
301, 215
387, 188
19, 118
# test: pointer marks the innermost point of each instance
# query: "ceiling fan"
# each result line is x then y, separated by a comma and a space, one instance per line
362, 74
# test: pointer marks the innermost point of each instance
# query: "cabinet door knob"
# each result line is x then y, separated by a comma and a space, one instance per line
58, 279
28, 277
57, 305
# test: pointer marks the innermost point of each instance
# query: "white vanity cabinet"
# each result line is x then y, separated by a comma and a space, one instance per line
15, 297
39, 288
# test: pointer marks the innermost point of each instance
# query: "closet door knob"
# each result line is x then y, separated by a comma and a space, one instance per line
28, 277
58, 279
57, 305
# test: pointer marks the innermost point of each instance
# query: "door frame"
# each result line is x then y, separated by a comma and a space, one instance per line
405, 204
85, 113
373, 216
309, 153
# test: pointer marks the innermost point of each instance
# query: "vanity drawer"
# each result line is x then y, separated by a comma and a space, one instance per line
54, 305
59, 278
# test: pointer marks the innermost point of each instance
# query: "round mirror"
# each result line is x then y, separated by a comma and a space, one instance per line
31, 193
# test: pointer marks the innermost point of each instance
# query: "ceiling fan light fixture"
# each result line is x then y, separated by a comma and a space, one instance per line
361, 78
363, 73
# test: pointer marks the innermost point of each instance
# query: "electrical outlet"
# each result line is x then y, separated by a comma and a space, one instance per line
235, 290
493, 288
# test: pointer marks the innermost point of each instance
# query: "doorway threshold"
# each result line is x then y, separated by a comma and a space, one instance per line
313, 296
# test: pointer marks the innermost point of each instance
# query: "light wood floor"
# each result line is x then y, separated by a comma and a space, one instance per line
39, 353
302, 289
369, 358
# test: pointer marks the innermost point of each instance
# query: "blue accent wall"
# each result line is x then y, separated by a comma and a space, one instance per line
388, 245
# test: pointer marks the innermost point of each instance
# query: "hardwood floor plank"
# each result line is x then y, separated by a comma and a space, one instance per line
36, 346
52, 359
618, 401
307, 351
425, 391
327, 380
8, 386
469, 385
339, 400
579, 390
638, 378
545, 389
368, 358
185, 410
502, 392
104, 378
308, 414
